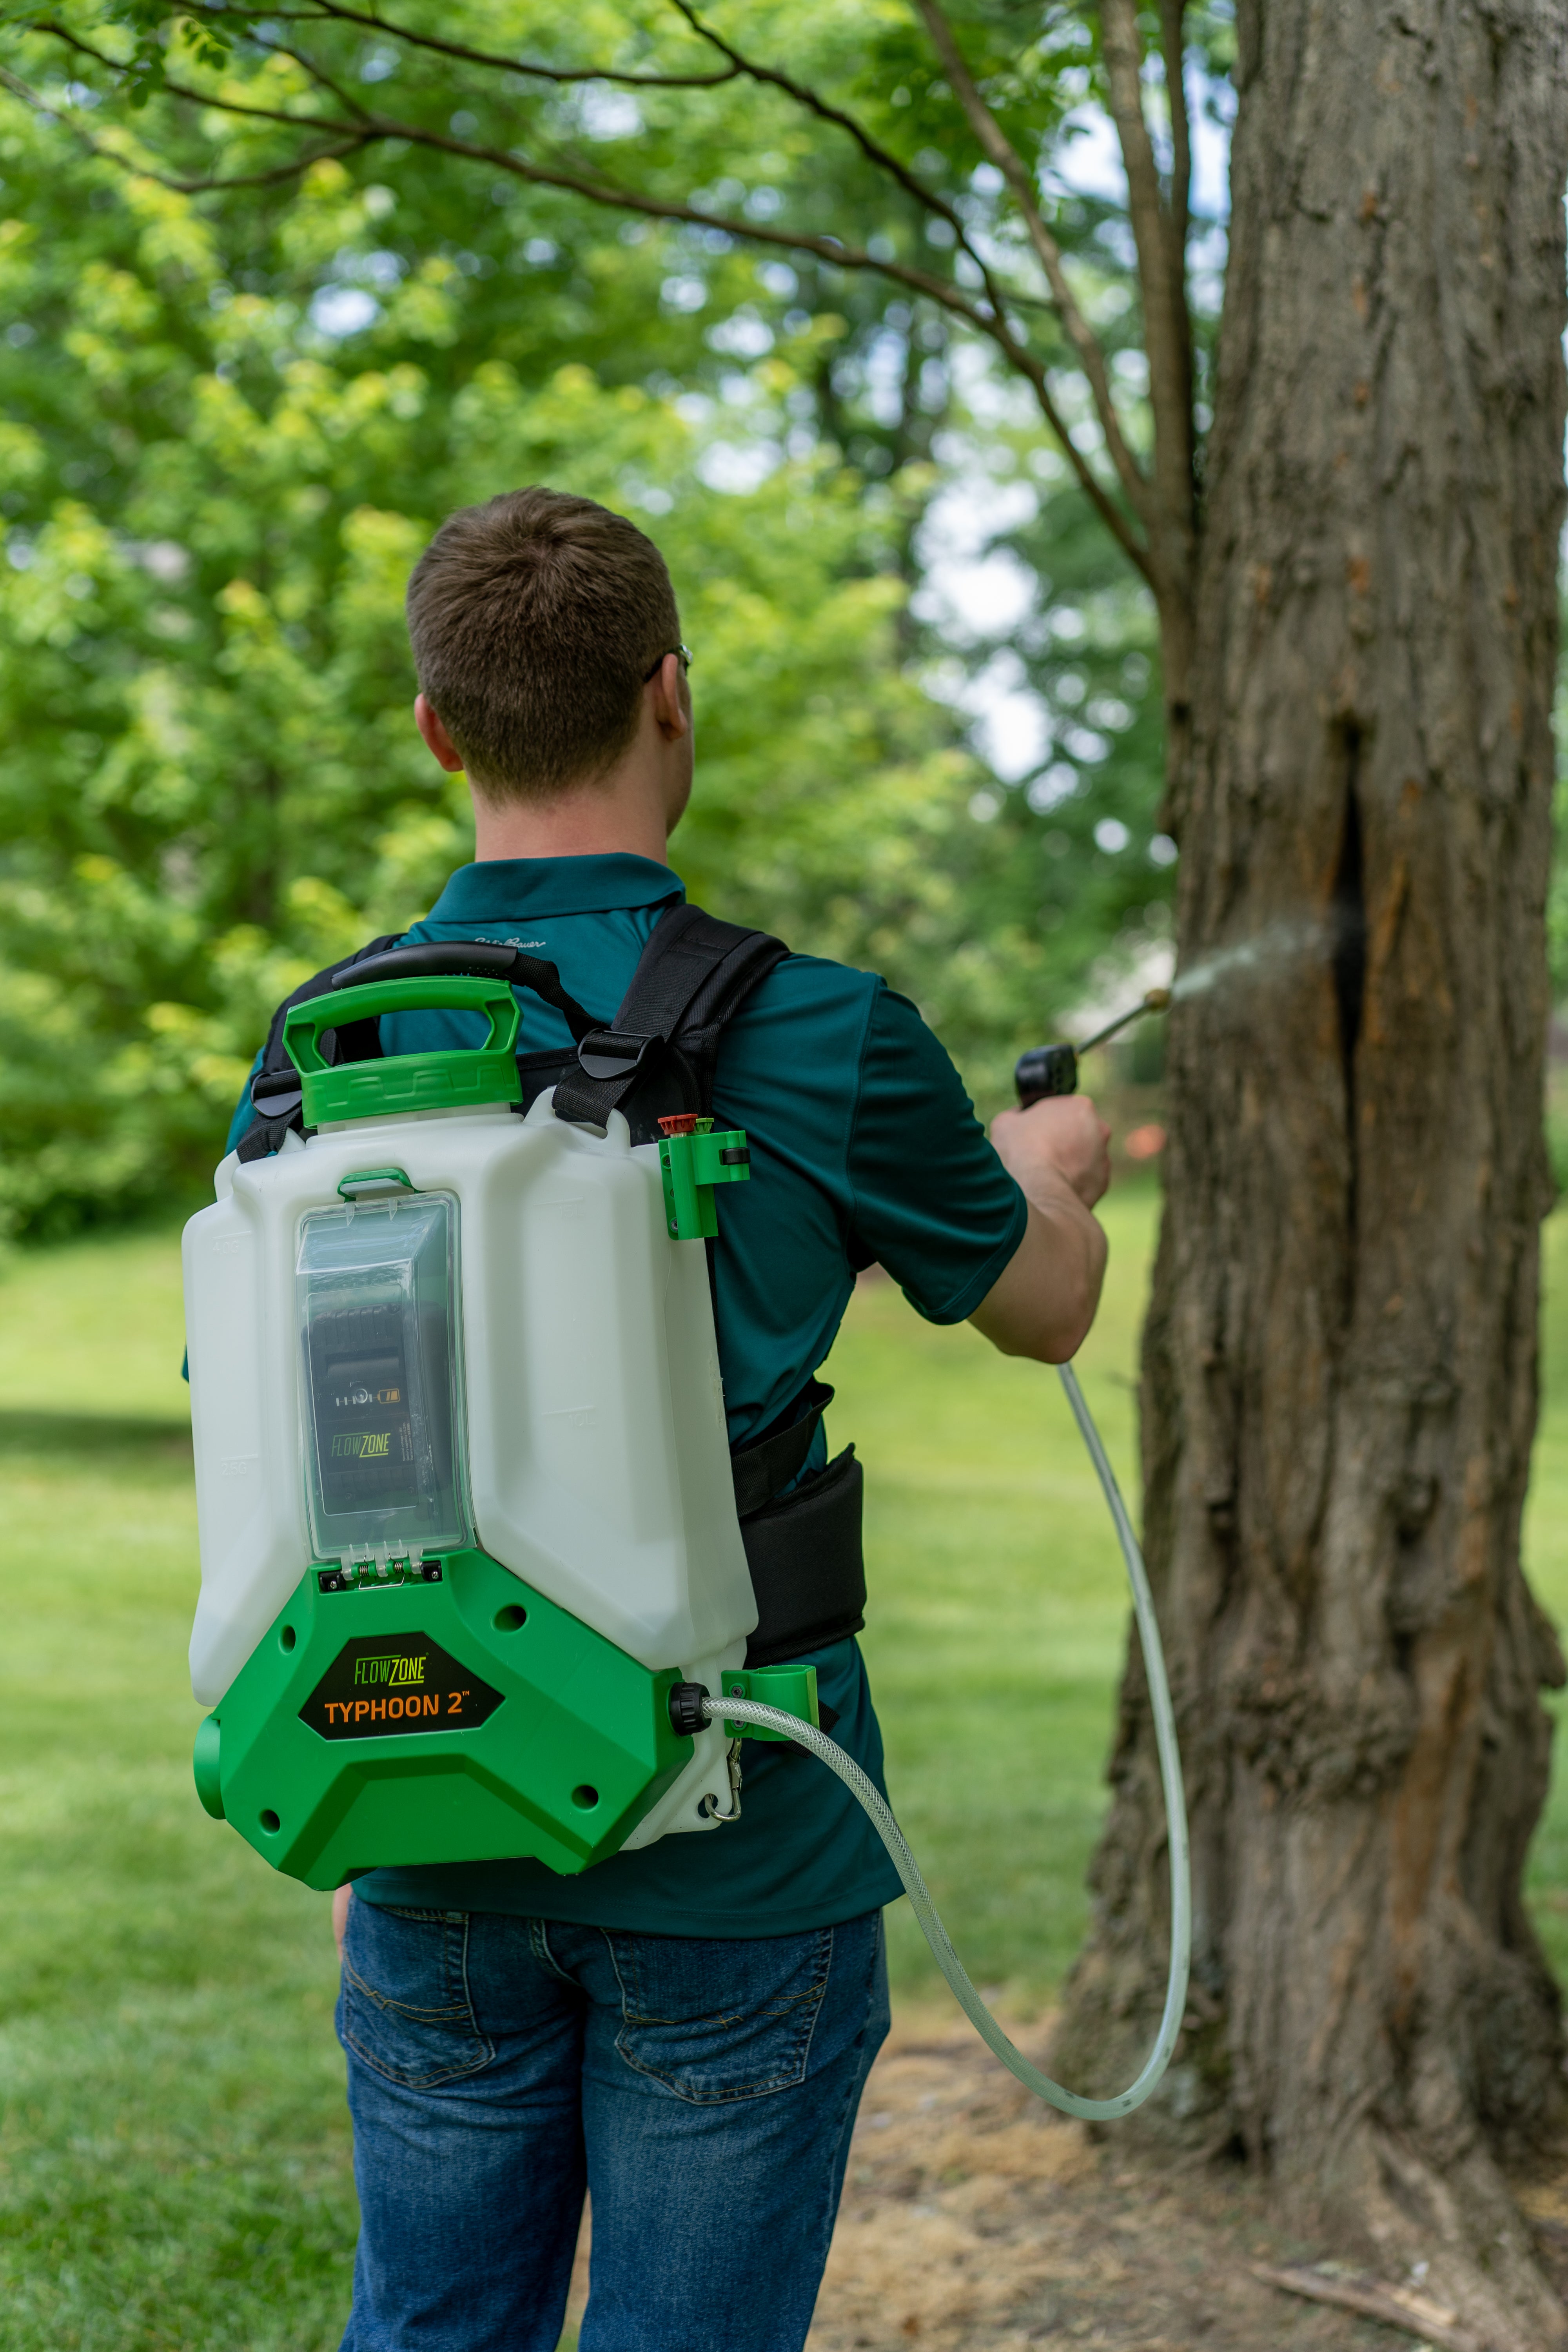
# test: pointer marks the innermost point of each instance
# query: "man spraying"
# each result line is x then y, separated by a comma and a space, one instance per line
682, 2031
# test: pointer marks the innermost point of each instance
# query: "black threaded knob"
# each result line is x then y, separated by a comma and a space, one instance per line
686, 1708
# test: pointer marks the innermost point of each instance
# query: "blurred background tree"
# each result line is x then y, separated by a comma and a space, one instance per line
928, 685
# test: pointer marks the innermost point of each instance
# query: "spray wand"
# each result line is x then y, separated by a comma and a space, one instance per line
1053, 1069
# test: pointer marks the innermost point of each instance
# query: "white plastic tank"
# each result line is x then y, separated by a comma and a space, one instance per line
558, 1383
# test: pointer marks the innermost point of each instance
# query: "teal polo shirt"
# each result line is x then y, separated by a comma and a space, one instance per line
865, 1151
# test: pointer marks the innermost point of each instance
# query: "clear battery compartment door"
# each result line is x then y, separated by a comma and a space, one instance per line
376, 1299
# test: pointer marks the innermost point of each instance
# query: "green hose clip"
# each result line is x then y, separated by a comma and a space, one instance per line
691, 1160
792, 1689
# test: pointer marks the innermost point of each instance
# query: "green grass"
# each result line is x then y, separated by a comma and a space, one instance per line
173, 2148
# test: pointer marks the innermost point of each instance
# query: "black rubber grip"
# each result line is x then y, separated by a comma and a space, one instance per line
1046, 1070
434, 959
472, 960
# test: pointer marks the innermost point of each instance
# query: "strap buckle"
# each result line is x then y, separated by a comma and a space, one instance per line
276, 1094
613, 1052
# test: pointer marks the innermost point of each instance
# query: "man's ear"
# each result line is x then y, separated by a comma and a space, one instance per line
440, 743
671, 708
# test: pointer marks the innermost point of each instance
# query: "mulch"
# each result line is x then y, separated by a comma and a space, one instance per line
975, 2219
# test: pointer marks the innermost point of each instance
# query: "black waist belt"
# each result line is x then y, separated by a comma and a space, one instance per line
803, 1550
808, 1571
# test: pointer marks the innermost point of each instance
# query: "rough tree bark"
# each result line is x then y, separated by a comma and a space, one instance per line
1340, 1363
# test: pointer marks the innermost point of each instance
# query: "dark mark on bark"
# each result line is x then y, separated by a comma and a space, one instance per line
1347, 932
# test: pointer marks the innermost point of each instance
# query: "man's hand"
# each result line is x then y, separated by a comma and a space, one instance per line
1044, 1300
343, 1897
1062, 1136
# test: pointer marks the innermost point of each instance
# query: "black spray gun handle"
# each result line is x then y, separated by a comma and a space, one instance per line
1046, 1070
1053, 1069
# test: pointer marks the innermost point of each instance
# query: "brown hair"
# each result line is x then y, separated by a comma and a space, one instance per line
534, 619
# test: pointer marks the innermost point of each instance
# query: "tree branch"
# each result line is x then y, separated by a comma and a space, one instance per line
329, 13
884, 160
1010, 163
1179, 212
1173, 18
1109, 513
368, 125
808, 99
276, 178
371, 129
323, 80
1123, 65
1162, 271
737, 66
39, 104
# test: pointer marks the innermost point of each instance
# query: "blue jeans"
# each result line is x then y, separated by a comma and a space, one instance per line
703, 2091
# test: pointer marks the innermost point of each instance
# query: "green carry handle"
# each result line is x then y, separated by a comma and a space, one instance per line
452, 1080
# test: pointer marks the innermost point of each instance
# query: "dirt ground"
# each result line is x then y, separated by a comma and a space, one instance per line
976, 2220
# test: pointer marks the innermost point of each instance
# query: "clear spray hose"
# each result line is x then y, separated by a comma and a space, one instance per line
861, 1787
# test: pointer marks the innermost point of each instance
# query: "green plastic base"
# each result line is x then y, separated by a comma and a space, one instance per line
464, 1720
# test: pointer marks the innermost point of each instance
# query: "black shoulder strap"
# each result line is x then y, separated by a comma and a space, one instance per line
693, 973
471, 960
276, 1093
691, 976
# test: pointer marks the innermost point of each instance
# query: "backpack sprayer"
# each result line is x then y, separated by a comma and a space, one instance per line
473, 1582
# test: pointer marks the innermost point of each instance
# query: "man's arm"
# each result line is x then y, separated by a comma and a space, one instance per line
1046, 1299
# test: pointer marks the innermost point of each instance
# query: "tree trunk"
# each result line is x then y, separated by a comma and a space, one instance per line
1339, 1364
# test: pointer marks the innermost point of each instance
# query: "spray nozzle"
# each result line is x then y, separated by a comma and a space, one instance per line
1053, 1069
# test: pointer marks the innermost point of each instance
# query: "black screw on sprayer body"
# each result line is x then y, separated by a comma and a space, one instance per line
1053, 1069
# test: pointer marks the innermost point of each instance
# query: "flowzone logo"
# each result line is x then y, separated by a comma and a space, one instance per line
364, 1446
381, 1685
391, 1669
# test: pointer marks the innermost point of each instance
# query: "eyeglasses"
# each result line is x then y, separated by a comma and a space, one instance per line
683, 651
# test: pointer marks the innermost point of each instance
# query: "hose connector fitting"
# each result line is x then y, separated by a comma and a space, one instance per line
686, 1708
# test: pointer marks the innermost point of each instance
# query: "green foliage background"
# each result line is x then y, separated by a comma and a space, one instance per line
229, 426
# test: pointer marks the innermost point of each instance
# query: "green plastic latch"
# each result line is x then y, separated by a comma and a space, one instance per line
450, 1080
374, 1180
204, 1766
792, 1689
692, 1159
